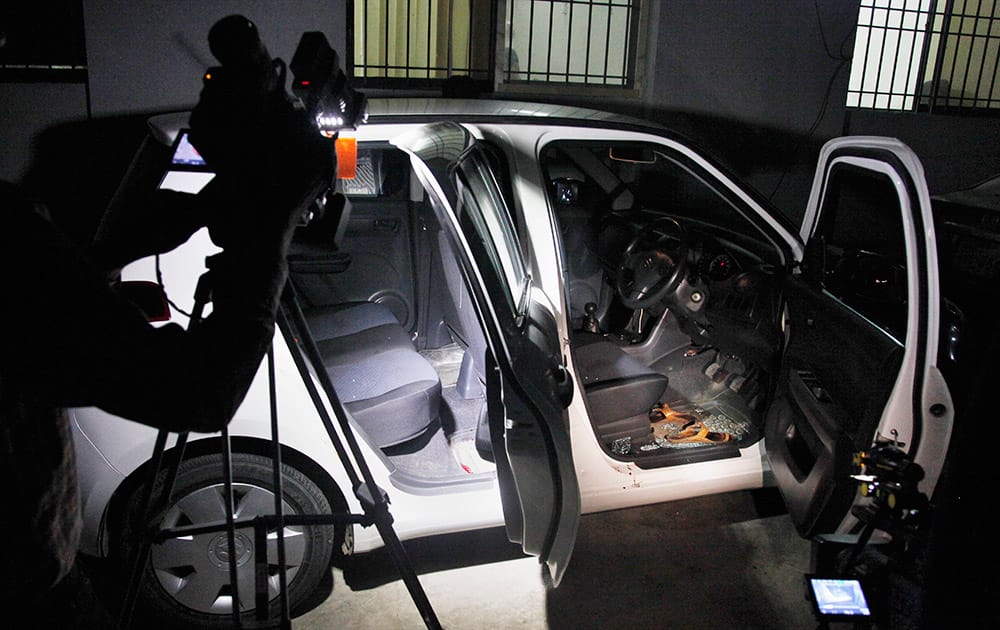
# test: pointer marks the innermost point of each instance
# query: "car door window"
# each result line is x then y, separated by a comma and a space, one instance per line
864, 246
483, 209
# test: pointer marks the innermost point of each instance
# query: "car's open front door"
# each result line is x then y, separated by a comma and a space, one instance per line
528, 388
862, 325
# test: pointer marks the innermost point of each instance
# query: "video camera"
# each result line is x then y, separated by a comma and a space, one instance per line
249, 86
323, 88
247, 93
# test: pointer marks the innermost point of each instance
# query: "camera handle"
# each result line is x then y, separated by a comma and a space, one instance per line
374, 500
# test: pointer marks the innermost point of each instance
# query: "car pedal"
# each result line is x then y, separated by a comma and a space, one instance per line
737, 383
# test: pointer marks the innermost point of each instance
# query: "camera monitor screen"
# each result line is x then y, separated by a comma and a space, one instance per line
184, 152
188, 171
838, 598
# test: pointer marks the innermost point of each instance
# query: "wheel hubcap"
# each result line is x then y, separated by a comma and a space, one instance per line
218, 550
194, 570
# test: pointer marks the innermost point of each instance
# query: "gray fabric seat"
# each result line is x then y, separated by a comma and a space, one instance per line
338, 320
620, 390
394, 394
391, 391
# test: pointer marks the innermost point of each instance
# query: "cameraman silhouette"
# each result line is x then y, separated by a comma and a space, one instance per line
68, 339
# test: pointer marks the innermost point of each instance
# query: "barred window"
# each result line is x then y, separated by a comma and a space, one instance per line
927, 55
578, 41
421, 43
42, 43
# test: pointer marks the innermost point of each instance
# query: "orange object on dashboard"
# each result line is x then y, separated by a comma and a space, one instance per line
347, 158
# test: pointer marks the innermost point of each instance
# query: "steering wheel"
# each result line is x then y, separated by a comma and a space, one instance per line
653, 264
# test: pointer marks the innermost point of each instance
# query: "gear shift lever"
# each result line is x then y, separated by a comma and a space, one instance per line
590, 318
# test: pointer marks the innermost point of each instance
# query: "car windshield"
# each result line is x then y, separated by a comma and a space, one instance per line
639, 180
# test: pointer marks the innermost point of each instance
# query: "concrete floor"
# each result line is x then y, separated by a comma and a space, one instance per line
730, 561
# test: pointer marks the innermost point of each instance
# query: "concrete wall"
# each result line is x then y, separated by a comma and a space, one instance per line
147, 54
144, 56
751, 79
761, 84
27, 109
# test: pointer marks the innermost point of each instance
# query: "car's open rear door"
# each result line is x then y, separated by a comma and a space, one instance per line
862, 325
527, 386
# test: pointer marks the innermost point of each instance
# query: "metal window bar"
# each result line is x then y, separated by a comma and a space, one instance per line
548, 57
951, 63
597, 42
590, 27
982, 65
531, 29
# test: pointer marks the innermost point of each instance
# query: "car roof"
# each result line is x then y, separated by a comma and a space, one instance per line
389, 110
381, 109
165, 127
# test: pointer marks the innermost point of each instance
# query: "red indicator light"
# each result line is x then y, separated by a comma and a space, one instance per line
303, 82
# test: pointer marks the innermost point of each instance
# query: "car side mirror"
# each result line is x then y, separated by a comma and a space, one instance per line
814, 260
148, 297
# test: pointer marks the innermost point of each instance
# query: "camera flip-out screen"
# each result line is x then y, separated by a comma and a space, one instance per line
184, 152
188, 171
838, 598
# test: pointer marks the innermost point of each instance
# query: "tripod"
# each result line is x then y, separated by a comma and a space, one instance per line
374, 501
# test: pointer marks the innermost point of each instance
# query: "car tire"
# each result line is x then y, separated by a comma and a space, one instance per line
185, 582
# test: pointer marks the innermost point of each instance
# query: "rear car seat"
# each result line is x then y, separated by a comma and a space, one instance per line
392, 392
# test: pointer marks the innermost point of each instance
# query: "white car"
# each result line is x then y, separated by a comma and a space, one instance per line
532, 311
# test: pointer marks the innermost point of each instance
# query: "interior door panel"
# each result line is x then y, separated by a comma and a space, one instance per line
377, 248
861, 329
838, 372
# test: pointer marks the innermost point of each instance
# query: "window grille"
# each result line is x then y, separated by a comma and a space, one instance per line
927, 55
592, 42
418, 42
42, 43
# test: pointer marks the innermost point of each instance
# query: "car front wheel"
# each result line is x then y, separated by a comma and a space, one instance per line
186, 579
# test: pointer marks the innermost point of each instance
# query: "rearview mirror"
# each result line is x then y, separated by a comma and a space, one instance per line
632, 154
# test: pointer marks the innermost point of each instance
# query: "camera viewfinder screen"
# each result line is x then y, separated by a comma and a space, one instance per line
185, 154
839, 598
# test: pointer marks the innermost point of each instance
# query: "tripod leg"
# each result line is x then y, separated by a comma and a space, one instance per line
138, 559
373, 500
140, 552
263, 609
406, 571
234, 584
